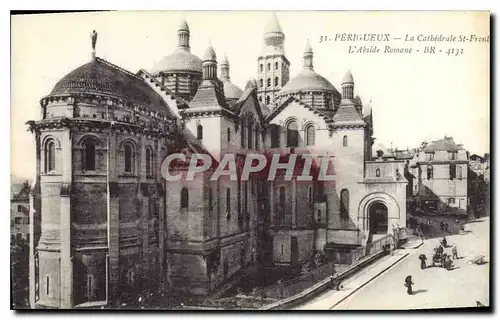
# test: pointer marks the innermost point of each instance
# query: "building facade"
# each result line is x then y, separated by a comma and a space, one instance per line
441, 169
109, 224
19, 213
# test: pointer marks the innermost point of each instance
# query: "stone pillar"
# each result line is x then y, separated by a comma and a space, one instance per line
294, 202
66, 276
113, 221
271, 202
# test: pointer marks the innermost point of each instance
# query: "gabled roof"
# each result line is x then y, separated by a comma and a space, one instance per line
208, 95
250, 92
347, 114
291, 99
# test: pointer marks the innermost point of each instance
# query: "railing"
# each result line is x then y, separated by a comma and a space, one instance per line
384, 243
299, 284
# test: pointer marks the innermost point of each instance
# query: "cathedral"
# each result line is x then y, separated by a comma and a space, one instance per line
105, 221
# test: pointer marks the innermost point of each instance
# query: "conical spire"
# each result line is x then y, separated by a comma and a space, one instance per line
273, 35
308, 56
273, 25
183, 35
224, 68
348, 77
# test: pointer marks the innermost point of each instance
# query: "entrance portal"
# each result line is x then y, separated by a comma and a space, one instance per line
378, 218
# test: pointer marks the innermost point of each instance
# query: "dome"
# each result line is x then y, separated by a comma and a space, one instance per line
307, 80
179, 60
348, 78
183, 26
308, 49
224, 60
210, 54
101, 77
231, 91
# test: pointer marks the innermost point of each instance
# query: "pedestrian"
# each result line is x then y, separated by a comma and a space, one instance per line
455, 253
441, 225
422, 258
446, 227
444, 242
408, 285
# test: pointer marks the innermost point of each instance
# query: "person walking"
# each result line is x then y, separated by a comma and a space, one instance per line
408, 284
446, 227
454, 252
422, 258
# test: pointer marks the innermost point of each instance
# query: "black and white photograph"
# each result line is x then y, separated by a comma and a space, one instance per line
250, 160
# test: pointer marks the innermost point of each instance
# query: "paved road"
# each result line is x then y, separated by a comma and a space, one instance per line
434, 287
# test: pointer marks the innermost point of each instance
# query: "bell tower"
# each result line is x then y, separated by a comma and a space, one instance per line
273, 66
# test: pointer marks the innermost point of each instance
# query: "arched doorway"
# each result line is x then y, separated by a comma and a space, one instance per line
378, 218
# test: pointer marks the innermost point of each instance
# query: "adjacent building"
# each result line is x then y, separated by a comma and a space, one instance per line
19, 213
107, 223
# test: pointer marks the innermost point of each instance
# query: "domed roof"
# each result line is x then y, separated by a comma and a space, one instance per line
307, 80
231, 91
348, 77
104, 78
180, 60
210, 54
183, 26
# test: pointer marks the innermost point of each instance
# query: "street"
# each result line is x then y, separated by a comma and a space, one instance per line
434, 287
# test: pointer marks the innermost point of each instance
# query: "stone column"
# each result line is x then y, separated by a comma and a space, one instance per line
294, 202
66, 269
271, 201
113, 221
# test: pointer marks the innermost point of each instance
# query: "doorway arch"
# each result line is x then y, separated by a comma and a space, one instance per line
378, 218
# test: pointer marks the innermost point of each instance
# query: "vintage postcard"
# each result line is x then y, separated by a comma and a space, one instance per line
250, 160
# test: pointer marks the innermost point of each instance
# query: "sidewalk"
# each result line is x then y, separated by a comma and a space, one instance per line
352, 284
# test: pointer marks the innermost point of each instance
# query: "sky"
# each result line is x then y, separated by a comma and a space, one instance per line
415, 97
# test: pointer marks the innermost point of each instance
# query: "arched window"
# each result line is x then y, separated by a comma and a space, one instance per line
260, 99
377, 172
261, 82
268, 99
282, 197
50, 156
268, 82
250, 134
276, 65
89, 155
276, 81
242, 135
310, 195
199, 132
459, 172
268, 66
344, 141
257, 138
261, 67
228, 200
310, 135
129, 158
228, 134
149, 162
275, 137
210, 199
344, 203
429, 172
292, 134
184, 198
